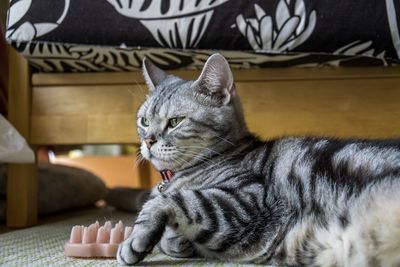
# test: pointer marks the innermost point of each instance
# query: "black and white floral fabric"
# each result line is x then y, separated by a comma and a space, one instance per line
114, 35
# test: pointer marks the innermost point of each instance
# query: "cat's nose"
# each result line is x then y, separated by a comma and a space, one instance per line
149, 142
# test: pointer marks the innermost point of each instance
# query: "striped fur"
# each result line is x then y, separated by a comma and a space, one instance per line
290, 201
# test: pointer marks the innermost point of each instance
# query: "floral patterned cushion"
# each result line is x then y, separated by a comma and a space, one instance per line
114, 35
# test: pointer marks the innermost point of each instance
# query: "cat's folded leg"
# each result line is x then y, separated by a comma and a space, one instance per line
149, 228
147, 232
160, 212
176, 245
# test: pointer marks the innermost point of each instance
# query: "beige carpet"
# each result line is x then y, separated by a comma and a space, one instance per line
43, 245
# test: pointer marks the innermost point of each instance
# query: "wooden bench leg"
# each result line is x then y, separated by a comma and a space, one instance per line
22, 178
21, 195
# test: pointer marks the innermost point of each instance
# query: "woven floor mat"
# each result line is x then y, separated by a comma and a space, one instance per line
43, 245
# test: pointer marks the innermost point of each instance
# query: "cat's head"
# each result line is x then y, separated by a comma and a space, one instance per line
184, 122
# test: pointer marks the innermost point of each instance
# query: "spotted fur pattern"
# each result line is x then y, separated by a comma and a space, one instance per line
290, 201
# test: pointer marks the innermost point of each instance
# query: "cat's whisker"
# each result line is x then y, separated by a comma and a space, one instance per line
185, 161
202, 147
179, 161
195, 153
197, 156
187, 154
192, 148
139, 161
225, 140
192, 152
139, 157
175, 161
142, 161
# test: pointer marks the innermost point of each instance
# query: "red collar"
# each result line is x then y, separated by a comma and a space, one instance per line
167, 175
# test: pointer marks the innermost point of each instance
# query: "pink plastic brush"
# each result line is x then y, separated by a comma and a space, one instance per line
96, 240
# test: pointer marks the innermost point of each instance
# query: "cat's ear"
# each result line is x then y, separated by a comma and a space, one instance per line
215, 83
152, 74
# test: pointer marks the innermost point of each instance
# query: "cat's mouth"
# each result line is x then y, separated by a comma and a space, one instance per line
167, 175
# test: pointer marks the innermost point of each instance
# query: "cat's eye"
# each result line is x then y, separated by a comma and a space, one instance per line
145, 121
172, 123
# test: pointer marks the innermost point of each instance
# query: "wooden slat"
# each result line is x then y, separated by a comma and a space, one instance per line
43, 79
22, 178
85, 114
351, 108
367, 108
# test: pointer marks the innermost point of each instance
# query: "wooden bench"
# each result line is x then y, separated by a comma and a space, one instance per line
99, 108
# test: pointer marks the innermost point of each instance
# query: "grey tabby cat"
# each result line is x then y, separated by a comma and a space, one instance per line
291, 201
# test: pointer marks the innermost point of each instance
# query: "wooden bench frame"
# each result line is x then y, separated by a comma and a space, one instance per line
99, 108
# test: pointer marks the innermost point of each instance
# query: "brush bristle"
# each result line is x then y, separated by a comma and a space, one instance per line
95, 233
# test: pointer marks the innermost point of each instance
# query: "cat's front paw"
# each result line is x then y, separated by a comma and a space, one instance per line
132, 251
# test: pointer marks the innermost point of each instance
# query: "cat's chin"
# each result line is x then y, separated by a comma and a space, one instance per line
161, 164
